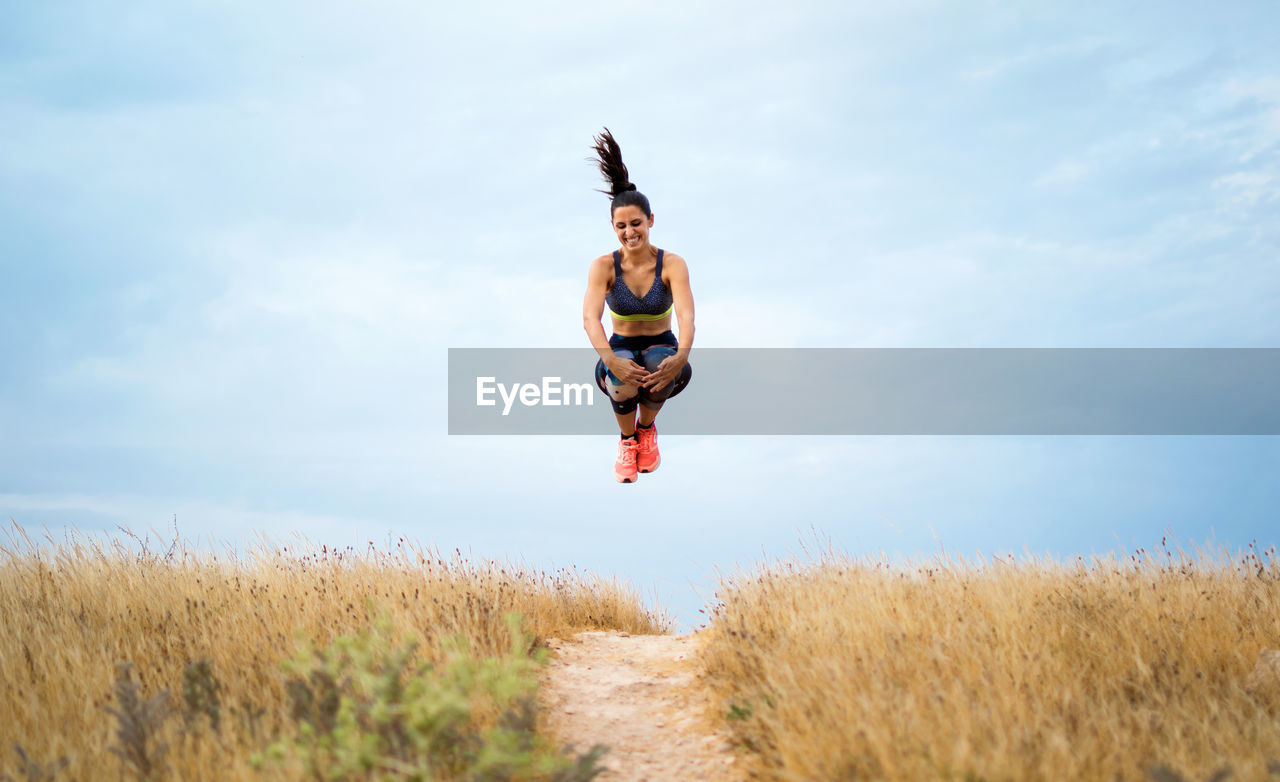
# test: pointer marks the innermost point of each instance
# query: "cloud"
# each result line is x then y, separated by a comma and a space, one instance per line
247, 235
1086, 48
226, 522
1247, 190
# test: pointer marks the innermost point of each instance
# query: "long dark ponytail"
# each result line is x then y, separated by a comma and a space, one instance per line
621, 191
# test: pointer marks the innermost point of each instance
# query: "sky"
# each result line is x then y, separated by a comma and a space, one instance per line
237, 240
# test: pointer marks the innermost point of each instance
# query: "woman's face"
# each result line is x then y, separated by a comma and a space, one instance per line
632, 227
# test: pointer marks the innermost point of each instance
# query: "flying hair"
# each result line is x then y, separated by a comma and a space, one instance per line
621, 190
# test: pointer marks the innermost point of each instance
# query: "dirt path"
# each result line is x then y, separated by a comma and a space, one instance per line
639, 696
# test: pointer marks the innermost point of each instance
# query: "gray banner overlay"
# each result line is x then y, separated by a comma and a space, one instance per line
945, 391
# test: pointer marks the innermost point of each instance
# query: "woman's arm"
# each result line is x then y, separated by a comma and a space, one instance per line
676, 277
593, 306
593, 311
682, 295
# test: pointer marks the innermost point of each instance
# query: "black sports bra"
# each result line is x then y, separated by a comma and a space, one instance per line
623, 304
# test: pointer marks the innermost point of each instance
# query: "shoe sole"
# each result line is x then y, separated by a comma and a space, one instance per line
623, 478
655, 466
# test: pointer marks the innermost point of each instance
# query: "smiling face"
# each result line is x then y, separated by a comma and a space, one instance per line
632, 227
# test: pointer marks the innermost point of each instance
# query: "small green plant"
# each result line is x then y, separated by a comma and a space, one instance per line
249, 716
737, 712
200, 695
138, 725
365, 711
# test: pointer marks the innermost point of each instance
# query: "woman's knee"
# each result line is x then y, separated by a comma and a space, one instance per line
654, 356
618, 389
653, 398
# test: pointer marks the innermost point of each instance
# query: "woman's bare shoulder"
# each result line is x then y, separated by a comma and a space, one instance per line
601, 268
675, 260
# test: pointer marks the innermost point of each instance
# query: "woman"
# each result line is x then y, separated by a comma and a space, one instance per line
641, 365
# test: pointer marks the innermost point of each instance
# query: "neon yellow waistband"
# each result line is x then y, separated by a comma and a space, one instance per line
642, 317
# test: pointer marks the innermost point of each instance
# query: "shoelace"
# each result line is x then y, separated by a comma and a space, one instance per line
628, 454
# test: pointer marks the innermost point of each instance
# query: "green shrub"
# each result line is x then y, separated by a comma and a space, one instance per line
364, 711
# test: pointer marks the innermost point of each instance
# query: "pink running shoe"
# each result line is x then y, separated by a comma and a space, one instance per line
625, 468
647, 456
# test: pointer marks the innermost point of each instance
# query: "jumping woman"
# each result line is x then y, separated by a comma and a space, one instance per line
642, 365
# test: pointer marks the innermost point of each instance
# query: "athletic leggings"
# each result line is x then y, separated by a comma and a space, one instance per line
648, 352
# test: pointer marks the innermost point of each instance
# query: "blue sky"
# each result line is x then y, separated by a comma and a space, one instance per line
236, 241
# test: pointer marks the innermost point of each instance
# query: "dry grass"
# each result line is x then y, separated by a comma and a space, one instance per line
69, 613
1107, 669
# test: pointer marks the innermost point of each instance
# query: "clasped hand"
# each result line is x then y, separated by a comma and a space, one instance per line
634, 374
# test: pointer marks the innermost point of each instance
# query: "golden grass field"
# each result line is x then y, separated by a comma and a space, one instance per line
830, 668
1107, 669
70, 612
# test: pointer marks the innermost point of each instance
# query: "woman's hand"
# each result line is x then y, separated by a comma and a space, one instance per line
666, 372
626, 370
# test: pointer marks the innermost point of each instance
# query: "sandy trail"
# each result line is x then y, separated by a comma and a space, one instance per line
639, 696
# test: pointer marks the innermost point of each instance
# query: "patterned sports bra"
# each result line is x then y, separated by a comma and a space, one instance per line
623, 304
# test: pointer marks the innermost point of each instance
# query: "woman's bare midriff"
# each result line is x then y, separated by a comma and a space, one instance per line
635, 328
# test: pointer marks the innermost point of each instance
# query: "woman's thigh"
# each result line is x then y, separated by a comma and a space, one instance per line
654, 355
651, 358
616, 388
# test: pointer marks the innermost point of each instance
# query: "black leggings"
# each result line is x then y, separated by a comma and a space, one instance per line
648, 352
